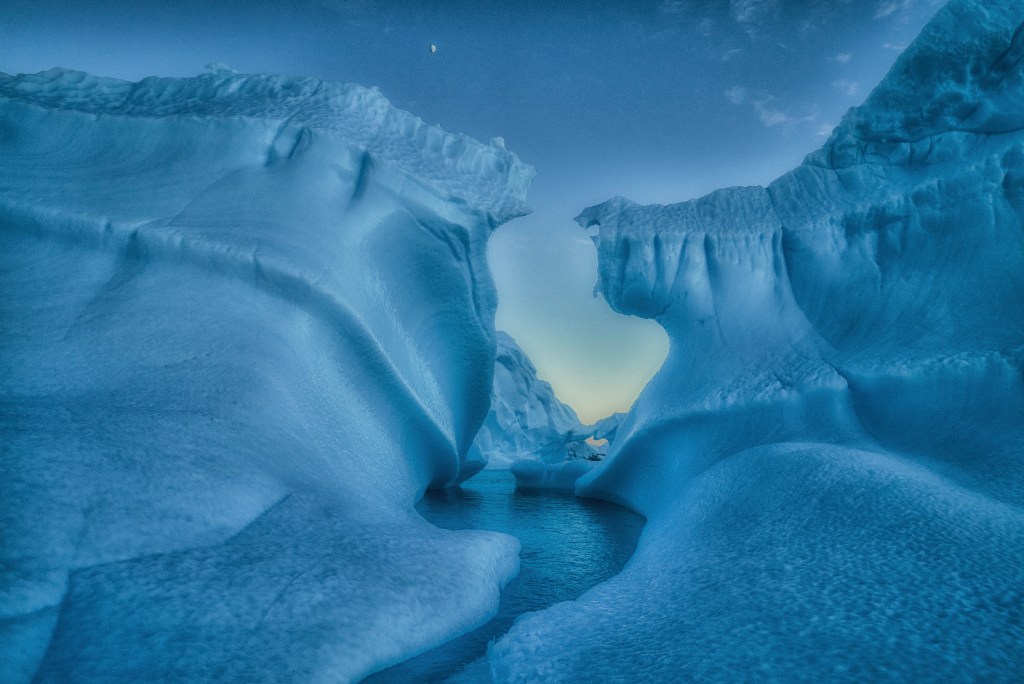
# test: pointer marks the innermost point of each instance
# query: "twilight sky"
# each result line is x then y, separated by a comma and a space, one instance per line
656, 100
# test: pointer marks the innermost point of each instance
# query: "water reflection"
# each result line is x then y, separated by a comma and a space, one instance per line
568, 545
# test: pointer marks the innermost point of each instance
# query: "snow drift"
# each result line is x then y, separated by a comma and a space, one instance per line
246, 321
830, 460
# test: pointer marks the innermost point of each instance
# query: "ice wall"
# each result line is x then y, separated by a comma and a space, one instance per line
246, 321
831, 459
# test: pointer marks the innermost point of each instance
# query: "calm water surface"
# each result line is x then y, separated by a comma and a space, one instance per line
569, 545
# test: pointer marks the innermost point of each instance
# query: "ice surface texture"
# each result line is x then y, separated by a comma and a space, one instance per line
246, 321
832, 458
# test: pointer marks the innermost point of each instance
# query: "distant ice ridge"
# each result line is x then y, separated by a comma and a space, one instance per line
831, 460
526, 418
247, 320
530, 431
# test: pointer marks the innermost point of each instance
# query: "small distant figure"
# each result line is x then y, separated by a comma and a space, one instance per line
433, 48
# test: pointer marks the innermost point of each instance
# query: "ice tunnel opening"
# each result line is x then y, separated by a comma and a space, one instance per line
554, 413
596, 360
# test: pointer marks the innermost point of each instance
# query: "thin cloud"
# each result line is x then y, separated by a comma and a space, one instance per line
891, 7
772, 116
672, 7
749, 11
736, 95
842, 58
769, 115
706, 26
764, 105
886, 10
846, 86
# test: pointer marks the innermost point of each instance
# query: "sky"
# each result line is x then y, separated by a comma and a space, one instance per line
659, 101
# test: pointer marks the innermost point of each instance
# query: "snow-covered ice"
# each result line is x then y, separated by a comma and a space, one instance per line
531, 473
246, 321
831, 459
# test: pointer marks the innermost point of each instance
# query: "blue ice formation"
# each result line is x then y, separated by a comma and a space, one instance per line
247, 320
530, 431
526, 419
831, 460
533, 474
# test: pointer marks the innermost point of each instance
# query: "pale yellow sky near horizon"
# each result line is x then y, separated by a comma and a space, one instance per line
597, 361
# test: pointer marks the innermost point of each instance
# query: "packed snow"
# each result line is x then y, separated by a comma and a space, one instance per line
831, 459
247, 321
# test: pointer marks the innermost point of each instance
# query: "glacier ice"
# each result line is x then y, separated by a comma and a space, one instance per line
533, 474
247, 320
530, 431
606, 428
831, 459
526, 420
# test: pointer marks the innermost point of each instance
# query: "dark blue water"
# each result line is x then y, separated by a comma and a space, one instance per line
569, 545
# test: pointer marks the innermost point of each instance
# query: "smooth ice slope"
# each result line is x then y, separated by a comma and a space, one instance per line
246, 321
527, 420
830, 460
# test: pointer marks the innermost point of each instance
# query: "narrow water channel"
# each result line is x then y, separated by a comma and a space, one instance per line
568, 545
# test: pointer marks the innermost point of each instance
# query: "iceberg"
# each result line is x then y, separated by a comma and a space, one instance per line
562, 475
531, 432
247, 321
526, 420
831, 460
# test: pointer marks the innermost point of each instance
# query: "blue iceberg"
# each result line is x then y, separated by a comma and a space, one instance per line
831, 460
247, 321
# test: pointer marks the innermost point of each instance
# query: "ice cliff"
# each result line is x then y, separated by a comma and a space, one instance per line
831, 459
246, 321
